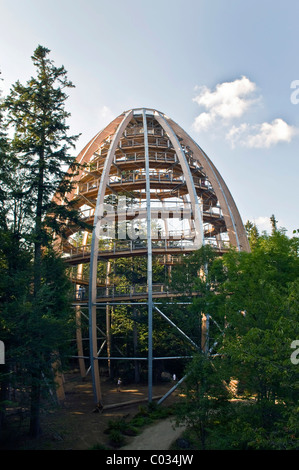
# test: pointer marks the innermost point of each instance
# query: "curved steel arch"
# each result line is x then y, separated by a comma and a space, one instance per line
94, 258
189, 180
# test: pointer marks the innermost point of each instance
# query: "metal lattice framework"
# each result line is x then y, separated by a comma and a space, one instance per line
149, 190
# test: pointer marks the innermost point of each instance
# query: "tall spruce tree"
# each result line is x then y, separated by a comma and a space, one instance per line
15, 266
41, 161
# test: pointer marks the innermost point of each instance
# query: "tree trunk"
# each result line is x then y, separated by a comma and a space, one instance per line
38, 228
35, 428
3, 397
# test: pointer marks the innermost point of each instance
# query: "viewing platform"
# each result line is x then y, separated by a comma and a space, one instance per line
124, 248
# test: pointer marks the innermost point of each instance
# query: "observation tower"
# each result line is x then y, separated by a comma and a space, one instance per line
147, 190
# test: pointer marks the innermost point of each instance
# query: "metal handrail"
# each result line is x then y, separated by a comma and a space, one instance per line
154, 176
132, 245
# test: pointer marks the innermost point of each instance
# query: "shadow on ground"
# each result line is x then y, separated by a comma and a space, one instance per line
75, 425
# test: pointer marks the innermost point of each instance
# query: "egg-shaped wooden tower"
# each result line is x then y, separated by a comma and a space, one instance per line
147, 189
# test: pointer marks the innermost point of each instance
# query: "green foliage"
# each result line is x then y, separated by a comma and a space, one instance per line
254, 299
34, 290
39, 149
122, 426
99, 447
140, 420
116, 438
119, 428
206, 396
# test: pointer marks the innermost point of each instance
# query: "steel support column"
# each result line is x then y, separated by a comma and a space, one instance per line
149, 262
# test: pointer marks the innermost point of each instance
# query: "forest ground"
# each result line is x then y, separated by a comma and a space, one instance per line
74, 425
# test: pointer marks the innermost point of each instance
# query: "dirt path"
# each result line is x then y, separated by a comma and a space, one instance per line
158, 436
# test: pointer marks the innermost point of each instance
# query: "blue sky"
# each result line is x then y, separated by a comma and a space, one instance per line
222, 69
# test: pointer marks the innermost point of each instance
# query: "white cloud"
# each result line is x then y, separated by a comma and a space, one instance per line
105, 116
229, 100
261, 135
203, 121
263, 224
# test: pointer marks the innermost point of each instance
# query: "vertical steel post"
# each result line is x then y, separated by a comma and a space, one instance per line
108, 317
149, 263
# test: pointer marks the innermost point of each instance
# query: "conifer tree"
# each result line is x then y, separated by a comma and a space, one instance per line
41, 163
